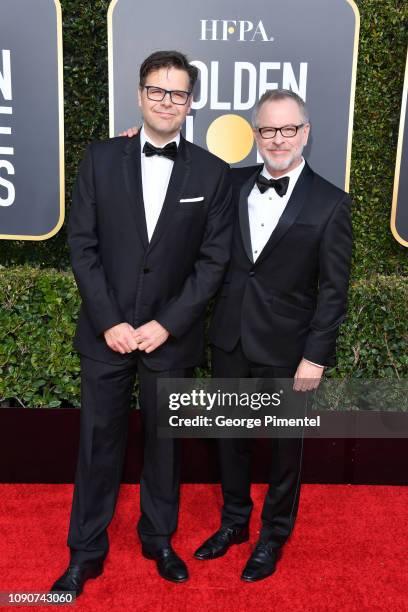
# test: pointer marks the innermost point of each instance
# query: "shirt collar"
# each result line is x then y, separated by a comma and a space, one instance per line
144, 138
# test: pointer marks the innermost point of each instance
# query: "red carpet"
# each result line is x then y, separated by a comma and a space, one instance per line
348, 552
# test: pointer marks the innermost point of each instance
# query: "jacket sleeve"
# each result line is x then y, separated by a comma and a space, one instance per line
97, 297
180, 313
334, 271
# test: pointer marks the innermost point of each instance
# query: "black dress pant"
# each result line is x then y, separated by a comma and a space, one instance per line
106, 392
284, 460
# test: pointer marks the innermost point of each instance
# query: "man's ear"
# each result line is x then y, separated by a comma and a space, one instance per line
306, 132
139, 96
189, 103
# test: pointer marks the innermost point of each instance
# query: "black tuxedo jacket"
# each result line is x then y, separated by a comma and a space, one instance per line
121, 276
291, 301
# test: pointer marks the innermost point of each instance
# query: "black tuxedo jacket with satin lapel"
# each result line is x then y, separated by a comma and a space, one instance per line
124, 278
291, 301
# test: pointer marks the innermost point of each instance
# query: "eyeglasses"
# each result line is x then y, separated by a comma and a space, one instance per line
287, 131
157, 94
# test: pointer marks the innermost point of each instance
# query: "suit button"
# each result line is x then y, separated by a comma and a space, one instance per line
146, 270
252, 273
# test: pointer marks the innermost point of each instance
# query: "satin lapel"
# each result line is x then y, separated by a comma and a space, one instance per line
133, 180
291, 212
175, 190
243, 214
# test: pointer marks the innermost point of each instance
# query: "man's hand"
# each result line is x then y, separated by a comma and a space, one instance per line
150, 336
307, 376
121, 338
130, 132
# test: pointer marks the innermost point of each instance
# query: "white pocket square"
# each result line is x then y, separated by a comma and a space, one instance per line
200, 199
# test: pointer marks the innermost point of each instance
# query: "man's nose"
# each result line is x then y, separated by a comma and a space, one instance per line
278, 138
167, 99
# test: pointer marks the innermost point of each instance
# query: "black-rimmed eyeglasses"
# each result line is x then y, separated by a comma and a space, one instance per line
157, 94
287, 131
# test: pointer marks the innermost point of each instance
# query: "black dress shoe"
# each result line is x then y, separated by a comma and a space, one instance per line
262, 563
218, 544
76, 575
169, 564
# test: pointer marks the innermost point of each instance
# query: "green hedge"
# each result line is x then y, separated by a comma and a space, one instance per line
373, 341
380, 72
38, 366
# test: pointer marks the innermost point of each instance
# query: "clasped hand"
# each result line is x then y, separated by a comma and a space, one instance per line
123, 338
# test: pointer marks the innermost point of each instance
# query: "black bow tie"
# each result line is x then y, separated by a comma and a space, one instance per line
169, 151
280, 185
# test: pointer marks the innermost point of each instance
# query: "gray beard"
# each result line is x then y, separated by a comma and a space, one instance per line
284, 164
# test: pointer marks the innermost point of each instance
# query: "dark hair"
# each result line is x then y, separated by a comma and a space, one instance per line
167, 59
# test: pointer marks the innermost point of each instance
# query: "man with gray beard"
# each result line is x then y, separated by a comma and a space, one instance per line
278, 312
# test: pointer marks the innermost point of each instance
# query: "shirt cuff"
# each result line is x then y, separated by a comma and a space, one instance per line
315, 364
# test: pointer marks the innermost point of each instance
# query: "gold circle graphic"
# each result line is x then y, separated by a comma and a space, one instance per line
230, 137
231, 30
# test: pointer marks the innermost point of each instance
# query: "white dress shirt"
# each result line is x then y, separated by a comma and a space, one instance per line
156, 172
265, 210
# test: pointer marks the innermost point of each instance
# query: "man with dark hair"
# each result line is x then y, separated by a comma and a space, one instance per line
167, 59
149, 236
278, 311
